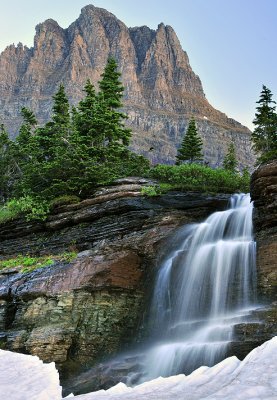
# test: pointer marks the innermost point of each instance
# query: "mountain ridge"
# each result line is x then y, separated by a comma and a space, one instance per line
161, 90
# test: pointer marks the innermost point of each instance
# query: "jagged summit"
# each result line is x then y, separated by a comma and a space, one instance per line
161, 90
90, 8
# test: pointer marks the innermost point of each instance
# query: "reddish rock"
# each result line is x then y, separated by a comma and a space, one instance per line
80, 312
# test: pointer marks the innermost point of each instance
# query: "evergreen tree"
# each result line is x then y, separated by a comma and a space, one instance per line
47, 150
110, 85
191, 147
7, 165
245, 178
86, 118
24, 150
230, 162
264, 136
61, 115
25, 139
53, 136
111, 124
75, 151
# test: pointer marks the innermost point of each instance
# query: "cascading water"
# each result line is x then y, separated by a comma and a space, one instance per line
203, 288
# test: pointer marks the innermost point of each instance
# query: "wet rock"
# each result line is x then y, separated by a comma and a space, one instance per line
264, 195
260, 327
262, 323
79, 313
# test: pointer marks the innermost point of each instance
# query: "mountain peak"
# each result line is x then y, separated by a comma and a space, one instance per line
161, 90
48, 24
91, 9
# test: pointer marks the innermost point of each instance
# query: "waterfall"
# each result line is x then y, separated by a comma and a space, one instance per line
204, 287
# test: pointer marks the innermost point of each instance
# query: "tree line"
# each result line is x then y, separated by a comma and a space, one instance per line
78, 149
264, 137
85, 146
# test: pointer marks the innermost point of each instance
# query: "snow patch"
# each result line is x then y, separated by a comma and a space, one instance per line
24, 377
27, 377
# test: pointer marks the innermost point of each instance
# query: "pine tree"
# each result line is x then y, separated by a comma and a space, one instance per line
25, 139
191, 147
61, 115
75, 151
48, 168
86, 119
8, 167
53, 136
25, 150
230, 162
264, 136
110, 85
110, 96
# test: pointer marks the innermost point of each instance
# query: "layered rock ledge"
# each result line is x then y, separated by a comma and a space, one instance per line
264, 195
80, 312
262, 323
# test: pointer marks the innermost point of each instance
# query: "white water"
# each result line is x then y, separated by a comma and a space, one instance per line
203, 289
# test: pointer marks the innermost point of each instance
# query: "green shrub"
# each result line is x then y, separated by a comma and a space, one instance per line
156, 190
150, 191
64, 200
6, 214
200, 178
33, 208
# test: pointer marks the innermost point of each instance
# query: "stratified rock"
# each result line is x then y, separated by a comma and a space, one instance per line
80, 312
261, 324
161, 91
83, 312
264, 195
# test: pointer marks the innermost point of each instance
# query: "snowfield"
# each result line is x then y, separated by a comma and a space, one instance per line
24, 377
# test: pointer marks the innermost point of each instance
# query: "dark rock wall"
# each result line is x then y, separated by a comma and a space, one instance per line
262, 323
264, 195
77, 313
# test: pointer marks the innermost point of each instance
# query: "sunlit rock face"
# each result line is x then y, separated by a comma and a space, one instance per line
25, 377
161, 90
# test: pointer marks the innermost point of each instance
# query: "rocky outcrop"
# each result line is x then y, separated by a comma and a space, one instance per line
79, 312
161, 90
264, 195
262, 323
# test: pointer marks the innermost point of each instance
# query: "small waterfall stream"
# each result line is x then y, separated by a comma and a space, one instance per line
204, 287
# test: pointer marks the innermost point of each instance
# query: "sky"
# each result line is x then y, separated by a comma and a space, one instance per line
231, 44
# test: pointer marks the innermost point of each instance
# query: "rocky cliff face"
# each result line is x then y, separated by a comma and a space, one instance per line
263, 322
161, 90
79, 312
264, 195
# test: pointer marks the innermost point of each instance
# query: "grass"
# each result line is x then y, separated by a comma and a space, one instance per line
25, 264
6, 214
64, 200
